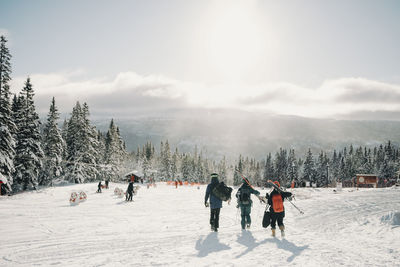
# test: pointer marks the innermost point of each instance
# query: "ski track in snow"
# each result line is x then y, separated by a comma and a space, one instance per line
168, 226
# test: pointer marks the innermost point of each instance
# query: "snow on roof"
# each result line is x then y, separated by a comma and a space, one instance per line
366, 175
135, 172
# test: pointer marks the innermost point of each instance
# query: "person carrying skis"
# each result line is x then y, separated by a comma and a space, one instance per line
215, 203
99, 188
244, 201
129, 192
277, 209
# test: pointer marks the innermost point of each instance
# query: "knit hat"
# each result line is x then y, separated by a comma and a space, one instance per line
214, 175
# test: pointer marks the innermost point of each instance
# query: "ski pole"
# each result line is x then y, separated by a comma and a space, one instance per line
275, 186
301, 212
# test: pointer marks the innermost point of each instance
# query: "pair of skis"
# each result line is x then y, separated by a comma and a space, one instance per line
274, 185
247, 181
281, 191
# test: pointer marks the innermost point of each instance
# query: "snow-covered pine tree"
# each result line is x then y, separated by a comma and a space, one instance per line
115, 153
81, 145
175, 164
222, 170
29, 153
166, 161
281, 166
269, 172
7, 126
309, 167
237, 178
292, 167
53, 147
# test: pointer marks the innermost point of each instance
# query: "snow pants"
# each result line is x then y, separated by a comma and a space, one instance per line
214, 218
245, 210
129, 196
277, 217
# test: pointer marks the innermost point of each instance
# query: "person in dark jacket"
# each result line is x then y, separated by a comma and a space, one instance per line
129, 192
215, 203
99, 188
244, 201
277, 209
107, 181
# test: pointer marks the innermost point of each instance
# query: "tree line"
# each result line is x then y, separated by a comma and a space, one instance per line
33, 154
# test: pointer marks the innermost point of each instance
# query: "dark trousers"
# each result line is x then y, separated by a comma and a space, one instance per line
214, 217
277, 217
99, 190
129, 196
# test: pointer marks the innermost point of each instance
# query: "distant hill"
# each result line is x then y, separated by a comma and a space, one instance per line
230, 133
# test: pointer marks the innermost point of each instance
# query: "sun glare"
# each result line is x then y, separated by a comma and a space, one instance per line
235, 40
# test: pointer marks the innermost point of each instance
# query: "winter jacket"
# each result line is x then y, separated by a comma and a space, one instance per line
130, 188
246, 187
215, 203
271, 196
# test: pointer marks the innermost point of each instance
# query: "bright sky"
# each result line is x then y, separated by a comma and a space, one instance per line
308, 58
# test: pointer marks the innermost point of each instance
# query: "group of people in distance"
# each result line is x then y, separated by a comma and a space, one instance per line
99, 186
274, 199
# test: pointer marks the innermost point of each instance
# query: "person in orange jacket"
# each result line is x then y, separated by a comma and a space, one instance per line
277, 209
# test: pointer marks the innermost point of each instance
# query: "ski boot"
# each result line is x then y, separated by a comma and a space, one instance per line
248, 226
273, 232
282, 228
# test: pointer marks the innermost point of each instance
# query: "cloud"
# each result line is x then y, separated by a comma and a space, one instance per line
132, 94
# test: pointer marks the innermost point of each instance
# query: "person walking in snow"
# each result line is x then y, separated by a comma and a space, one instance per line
107, 181
215, 203
99, 187
129, 192
277, 209
244, 201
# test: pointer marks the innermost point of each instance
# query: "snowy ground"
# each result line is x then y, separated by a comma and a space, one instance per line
168, 226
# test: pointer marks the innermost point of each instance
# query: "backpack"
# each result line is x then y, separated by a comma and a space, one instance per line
222, 191
244, 196
277, 203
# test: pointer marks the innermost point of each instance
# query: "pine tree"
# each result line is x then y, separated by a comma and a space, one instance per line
269, 172
53, 147
29, 153
81, 145
7, 126
166, 161
309, 168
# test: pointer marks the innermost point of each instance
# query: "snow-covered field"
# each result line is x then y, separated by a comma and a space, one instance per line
168, 226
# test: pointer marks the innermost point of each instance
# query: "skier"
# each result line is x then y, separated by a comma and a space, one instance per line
129, 192
99, 188
243, 196
107, 181
216, 203
277, 210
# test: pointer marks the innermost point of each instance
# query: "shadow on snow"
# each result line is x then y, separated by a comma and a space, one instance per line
209, 244
247, 239
288, 246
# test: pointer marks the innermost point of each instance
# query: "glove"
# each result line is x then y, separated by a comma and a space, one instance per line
237, 206
206, 204
266, 195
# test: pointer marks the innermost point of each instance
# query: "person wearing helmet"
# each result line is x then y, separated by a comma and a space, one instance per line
277, 209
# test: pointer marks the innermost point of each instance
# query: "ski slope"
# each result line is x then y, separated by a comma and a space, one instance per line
168, 226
